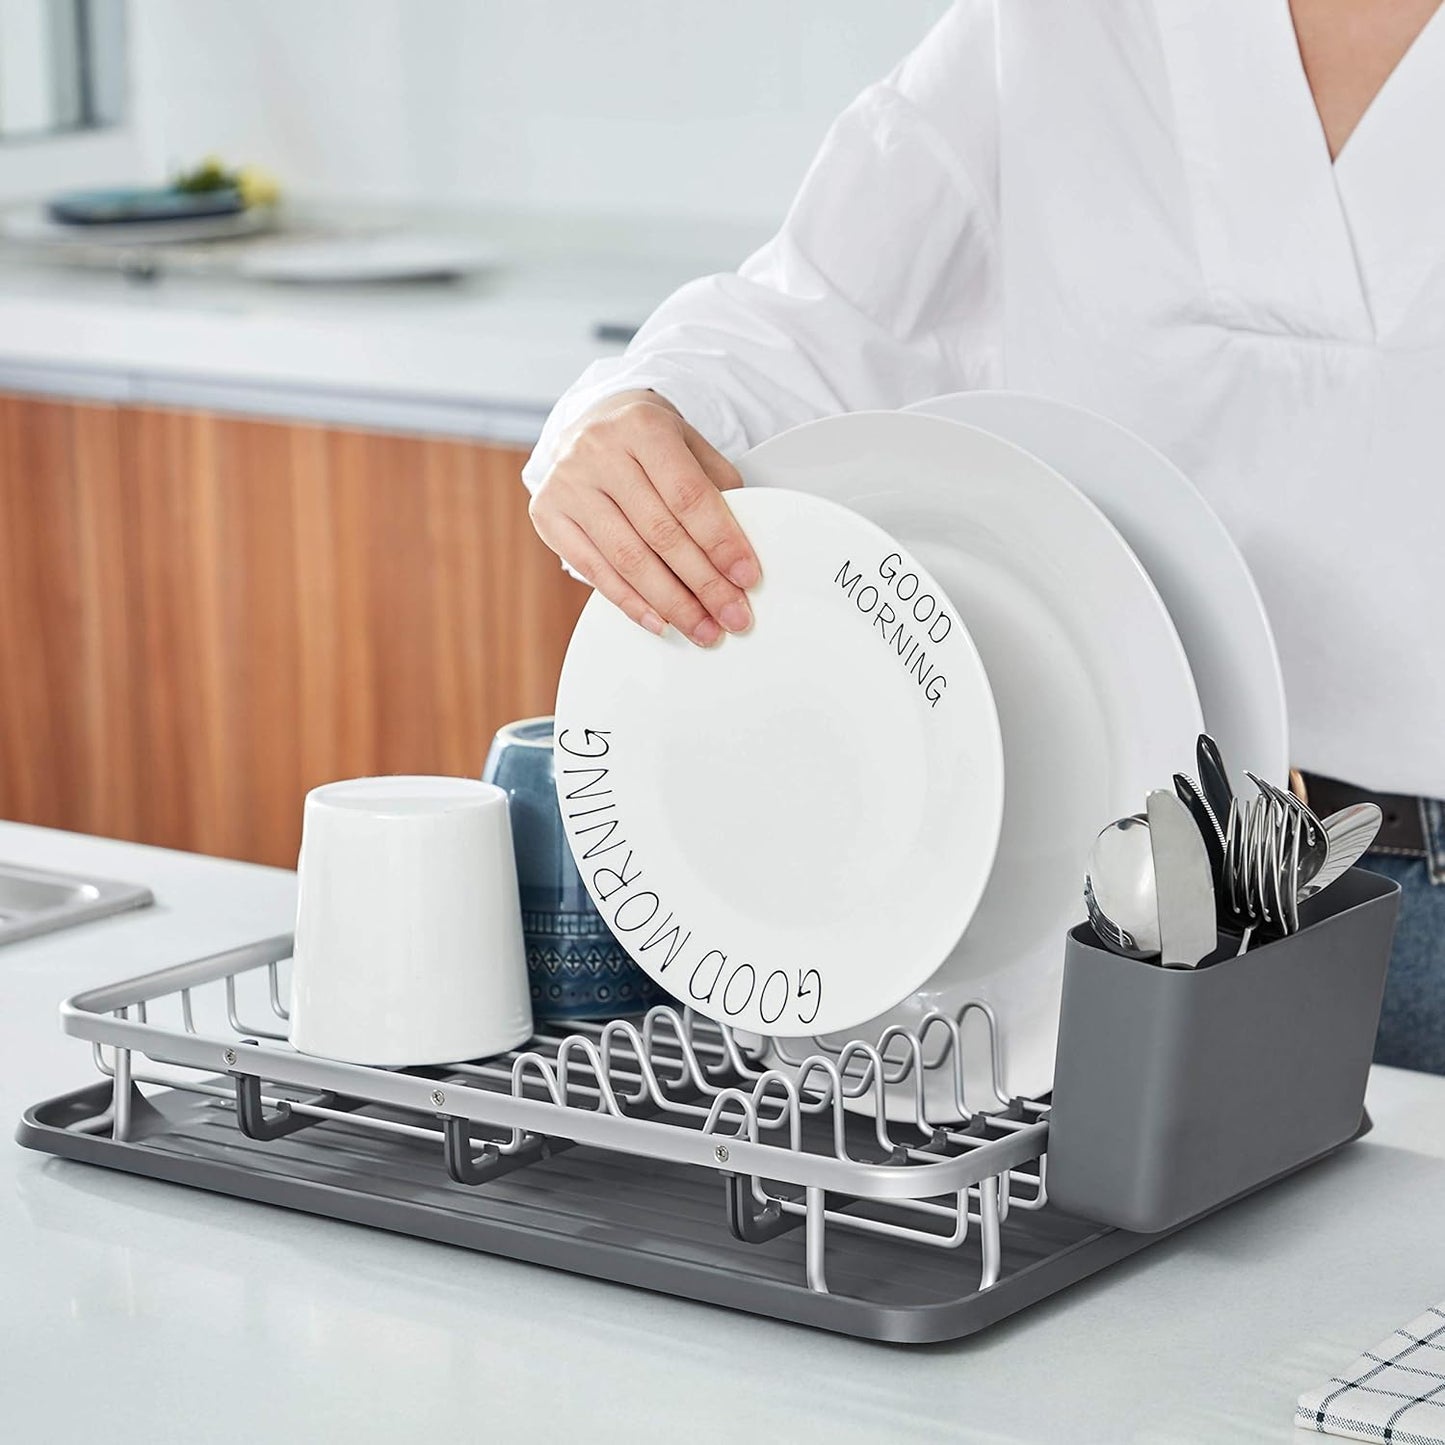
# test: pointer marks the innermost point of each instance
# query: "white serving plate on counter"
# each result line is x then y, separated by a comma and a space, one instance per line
1095, 697
360, 259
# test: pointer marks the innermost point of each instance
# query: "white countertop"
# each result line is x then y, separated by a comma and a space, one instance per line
136, 1310
485, 356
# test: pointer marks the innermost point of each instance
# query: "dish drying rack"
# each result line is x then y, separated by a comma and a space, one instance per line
658, 1151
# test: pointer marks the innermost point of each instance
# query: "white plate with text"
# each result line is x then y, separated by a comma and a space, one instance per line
789, 831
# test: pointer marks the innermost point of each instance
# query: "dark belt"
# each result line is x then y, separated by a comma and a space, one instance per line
1403, 830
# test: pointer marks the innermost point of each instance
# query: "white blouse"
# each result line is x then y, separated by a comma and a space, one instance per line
1129, 204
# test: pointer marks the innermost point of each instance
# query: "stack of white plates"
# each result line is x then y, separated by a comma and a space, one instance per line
887, 789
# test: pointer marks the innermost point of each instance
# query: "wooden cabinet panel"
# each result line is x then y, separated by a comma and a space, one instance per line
201, 617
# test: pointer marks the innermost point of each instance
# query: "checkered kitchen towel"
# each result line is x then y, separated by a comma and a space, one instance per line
1394, 1392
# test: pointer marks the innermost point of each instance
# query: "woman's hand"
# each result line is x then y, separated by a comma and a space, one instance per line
632, 504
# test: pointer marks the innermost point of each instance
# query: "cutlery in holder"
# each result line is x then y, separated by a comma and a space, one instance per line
1176, 1090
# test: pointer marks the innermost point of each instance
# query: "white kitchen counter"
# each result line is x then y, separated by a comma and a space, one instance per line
136, 1310
486, 356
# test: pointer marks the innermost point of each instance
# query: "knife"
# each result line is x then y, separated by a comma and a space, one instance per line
1213, 778
1182, 881
1210, 829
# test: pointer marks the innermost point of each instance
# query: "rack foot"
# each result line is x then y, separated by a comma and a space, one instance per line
491, 1163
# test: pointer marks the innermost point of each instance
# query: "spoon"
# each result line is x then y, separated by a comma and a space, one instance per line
1114, 938
1119, 891
1350, 831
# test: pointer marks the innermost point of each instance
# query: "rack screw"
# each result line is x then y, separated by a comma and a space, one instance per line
721, 1153
438, 1098
229, 1056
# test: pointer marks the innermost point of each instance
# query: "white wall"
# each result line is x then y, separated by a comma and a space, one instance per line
690, 108
24, 85
33, 162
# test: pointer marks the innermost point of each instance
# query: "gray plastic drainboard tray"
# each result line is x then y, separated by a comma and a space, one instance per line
34, 901
592, 1212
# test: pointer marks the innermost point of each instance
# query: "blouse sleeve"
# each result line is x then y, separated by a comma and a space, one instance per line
880, 288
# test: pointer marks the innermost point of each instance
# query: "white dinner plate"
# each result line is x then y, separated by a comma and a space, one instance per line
1095, 698
1190, 557
358, 259
788, 831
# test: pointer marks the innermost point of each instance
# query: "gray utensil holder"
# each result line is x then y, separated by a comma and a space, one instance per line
1178, 1089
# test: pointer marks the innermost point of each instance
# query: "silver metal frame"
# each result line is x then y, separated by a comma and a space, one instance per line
811, 1145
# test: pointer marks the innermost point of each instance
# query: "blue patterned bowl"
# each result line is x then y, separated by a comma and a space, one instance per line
578, 969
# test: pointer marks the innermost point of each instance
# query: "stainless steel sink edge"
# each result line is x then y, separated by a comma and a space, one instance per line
26, 909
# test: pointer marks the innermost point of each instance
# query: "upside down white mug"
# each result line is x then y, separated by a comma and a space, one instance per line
408, 927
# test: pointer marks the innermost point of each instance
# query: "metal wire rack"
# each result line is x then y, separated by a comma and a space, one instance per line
836, 1142
887, 1188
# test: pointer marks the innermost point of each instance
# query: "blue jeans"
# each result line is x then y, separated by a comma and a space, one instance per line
1412, 1022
